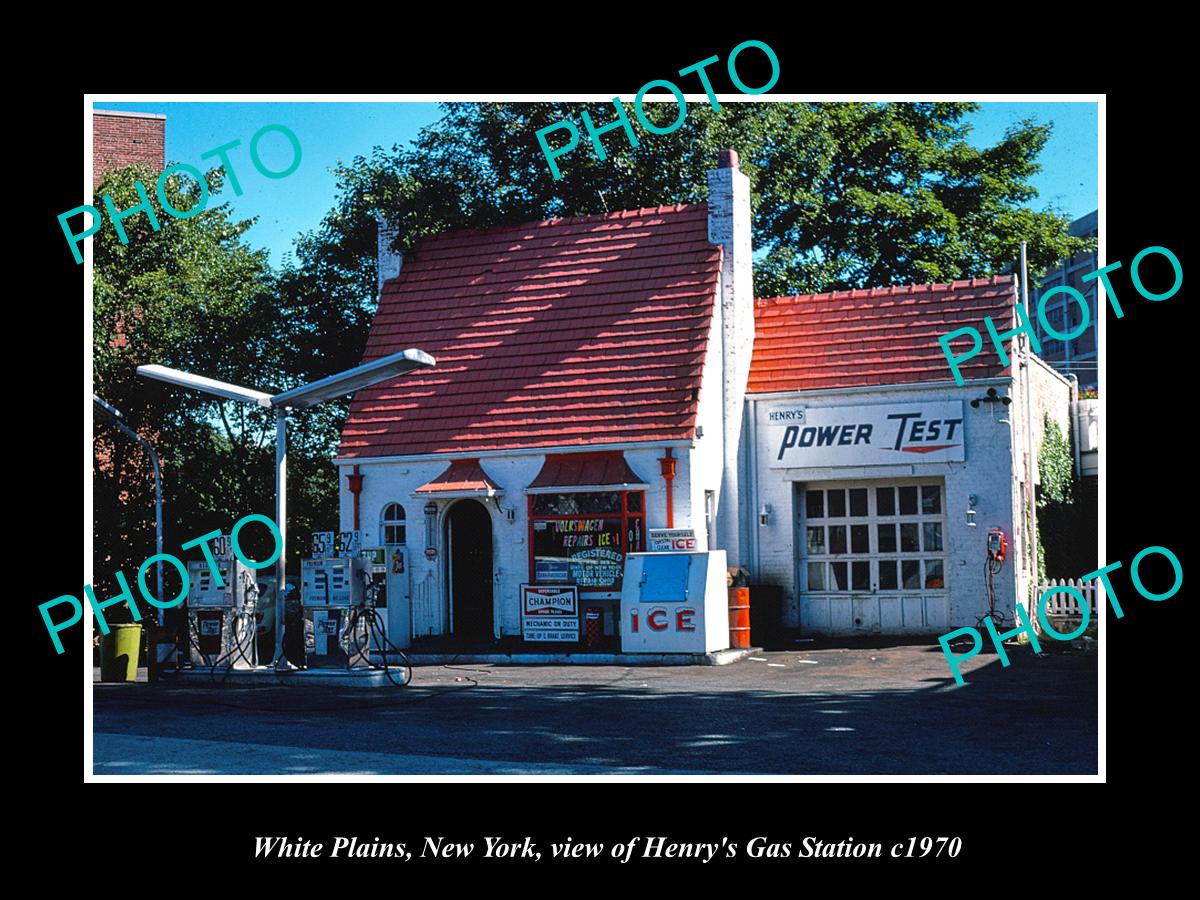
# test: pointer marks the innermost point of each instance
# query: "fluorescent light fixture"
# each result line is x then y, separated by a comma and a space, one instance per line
208, 385
337, 385
352, 379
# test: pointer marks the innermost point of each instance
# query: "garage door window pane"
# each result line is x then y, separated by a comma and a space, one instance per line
931, 499
860, 573
887, 575
910, 572
908, 537
885, 501
816, 540
816, 576
838, 571
933, 535
933, 574
908, 501
887, 538
860, 539
858, 501
837, 503
837, 538
814, 504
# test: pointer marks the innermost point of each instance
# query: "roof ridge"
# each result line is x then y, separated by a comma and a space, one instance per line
617, 215
890, 290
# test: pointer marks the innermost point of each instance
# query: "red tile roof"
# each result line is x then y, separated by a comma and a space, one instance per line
567, 332
461, 476
878, 336
605, 469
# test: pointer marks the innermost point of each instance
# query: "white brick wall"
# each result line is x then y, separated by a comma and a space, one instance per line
396, 482
729, 225
387, 260
987, 472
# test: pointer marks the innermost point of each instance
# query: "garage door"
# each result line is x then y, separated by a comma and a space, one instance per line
871, 558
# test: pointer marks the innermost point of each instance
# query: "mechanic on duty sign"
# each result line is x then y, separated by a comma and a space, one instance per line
549, 612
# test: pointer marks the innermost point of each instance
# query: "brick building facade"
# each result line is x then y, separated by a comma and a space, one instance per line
122, 138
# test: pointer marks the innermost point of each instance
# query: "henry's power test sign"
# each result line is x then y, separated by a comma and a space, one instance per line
887, 434
549, 613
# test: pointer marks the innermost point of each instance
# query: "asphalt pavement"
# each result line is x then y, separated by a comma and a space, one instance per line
818, 709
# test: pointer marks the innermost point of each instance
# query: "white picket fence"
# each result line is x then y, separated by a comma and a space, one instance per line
1065, 604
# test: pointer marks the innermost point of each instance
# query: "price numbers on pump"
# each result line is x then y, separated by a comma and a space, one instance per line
322, 544
336, 543
348, 543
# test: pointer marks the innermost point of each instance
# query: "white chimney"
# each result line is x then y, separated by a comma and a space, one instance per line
729, 226
388, 260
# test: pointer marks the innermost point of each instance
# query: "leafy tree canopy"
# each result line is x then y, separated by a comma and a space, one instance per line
844, 195
192, 295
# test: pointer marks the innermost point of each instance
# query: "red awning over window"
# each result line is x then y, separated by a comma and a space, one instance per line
601, 470
464, 476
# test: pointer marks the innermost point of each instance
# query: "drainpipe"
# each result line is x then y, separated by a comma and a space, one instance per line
1074, 407
1030, 455
356, 481
667, 464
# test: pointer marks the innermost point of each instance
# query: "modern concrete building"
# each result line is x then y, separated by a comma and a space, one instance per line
1079, 356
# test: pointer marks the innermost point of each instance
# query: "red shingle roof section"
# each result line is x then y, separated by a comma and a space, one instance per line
570, 470
878, 336
460, 476
566, 332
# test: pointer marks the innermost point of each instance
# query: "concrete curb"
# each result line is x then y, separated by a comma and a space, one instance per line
370, 678
345, 678
715, 658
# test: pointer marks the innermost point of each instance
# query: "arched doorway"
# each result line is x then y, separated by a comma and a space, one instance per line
469, 570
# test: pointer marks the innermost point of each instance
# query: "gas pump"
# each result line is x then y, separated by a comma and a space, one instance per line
375, 590
329, 587
220, 617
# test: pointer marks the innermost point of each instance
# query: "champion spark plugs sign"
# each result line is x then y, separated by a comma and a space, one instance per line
549, 613
888, 434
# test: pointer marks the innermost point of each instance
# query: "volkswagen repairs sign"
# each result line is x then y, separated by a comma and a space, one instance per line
888, 434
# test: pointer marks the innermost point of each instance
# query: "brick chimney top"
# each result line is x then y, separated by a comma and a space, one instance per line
728, 159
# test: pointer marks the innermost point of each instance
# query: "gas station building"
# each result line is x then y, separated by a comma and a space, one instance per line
603, 376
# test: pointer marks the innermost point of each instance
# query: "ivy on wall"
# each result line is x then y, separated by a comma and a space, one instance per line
1055, 492
1056, 467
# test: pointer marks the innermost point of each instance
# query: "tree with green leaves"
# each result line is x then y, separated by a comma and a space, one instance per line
1066, 539
844, 195
192, 295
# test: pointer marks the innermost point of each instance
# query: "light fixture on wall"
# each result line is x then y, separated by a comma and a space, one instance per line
992, 396
972, 502
991, 399
509, 514
430, 511
764, 514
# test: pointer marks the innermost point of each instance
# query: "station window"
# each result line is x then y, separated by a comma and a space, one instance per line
391, 524
582, 539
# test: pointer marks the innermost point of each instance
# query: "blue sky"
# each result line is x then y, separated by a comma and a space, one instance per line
329, 132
